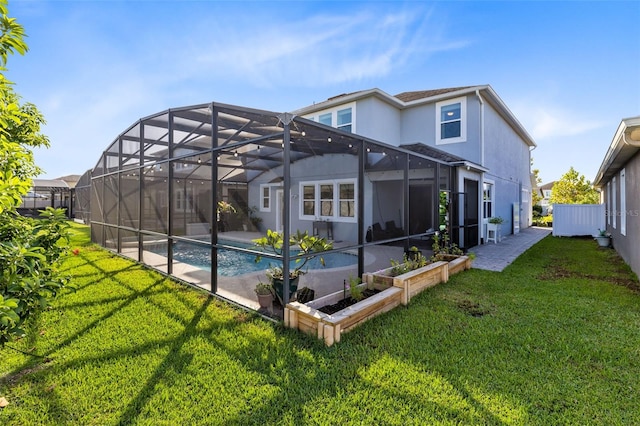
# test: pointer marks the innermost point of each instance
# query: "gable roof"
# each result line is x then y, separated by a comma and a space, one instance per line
422, 94
548, 185
407, 100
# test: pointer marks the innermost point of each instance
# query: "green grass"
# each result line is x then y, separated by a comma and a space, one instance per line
551, 340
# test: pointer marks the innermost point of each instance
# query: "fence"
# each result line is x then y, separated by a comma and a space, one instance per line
578, 219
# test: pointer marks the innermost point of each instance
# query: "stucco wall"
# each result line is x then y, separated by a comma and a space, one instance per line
311, 169
378, 120
628, 245
508, 159
419, 125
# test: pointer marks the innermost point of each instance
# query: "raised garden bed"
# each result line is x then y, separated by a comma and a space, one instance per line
412, 282
329, 327
392, 291
457, 263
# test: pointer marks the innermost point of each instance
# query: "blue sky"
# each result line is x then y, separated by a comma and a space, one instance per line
569, 71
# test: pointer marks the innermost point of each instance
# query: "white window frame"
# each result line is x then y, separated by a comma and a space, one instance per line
492, 201
341, 200
609, 203
317, 213
614, 211
184, 200
263, 198
623, 203
463, 121
334, 115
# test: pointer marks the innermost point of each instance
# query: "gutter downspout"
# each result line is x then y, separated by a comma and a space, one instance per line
481, 127
482, 232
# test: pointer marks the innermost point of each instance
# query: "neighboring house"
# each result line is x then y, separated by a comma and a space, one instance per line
619, 181
470, 128
44, 193
545, 193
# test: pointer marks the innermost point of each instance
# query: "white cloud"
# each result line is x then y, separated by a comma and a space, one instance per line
321, 50
548, 121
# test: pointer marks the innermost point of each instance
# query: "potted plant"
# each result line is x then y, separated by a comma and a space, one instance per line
493, 228
255, 220
304, 243
413, 253
496, 220
603, 238
264, 292
223, 211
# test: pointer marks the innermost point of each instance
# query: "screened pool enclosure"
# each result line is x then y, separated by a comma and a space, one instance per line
185, 191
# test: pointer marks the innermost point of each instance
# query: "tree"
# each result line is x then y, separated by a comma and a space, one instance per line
536, 198
573, 188
30, 250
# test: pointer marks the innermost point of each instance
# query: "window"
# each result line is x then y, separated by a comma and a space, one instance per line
184, 200
347, 200
326, 200
309, 200
319, 200
487, 199
608, 203
341, 117
451, 116
325, 119
344, 119
265, 198
614, 212
623, 203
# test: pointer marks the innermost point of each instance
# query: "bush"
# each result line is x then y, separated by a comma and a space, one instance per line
30, 251
543, 221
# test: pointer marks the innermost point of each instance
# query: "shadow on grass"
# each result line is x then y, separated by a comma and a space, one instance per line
392, 358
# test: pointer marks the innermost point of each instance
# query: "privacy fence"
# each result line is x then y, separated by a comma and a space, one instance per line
571, 220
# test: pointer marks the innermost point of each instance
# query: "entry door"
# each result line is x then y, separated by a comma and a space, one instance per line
471, 213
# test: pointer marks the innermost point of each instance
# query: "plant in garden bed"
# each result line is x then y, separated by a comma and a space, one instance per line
353, 292
408, 264
443, 248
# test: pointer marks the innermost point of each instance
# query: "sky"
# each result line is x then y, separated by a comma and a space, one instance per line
569, 71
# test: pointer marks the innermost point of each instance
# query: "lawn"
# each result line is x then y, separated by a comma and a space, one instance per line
553, 339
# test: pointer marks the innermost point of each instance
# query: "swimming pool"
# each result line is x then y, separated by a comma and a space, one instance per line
232, 263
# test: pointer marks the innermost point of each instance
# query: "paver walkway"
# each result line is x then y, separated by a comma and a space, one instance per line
496, 257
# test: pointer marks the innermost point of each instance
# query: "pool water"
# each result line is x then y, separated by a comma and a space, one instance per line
232, 263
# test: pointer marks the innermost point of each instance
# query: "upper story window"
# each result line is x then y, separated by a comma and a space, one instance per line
340, 117
451, 121
326, 119
344, 119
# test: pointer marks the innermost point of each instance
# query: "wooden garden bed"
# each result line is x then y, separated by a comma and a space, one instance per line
394, 291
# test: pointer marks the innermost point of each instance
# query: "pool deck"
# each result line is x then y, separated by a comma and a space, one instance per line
240, 289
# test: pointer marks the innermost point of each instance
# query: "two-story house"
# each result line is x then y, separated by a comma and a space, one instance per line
470, 128
545, 194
